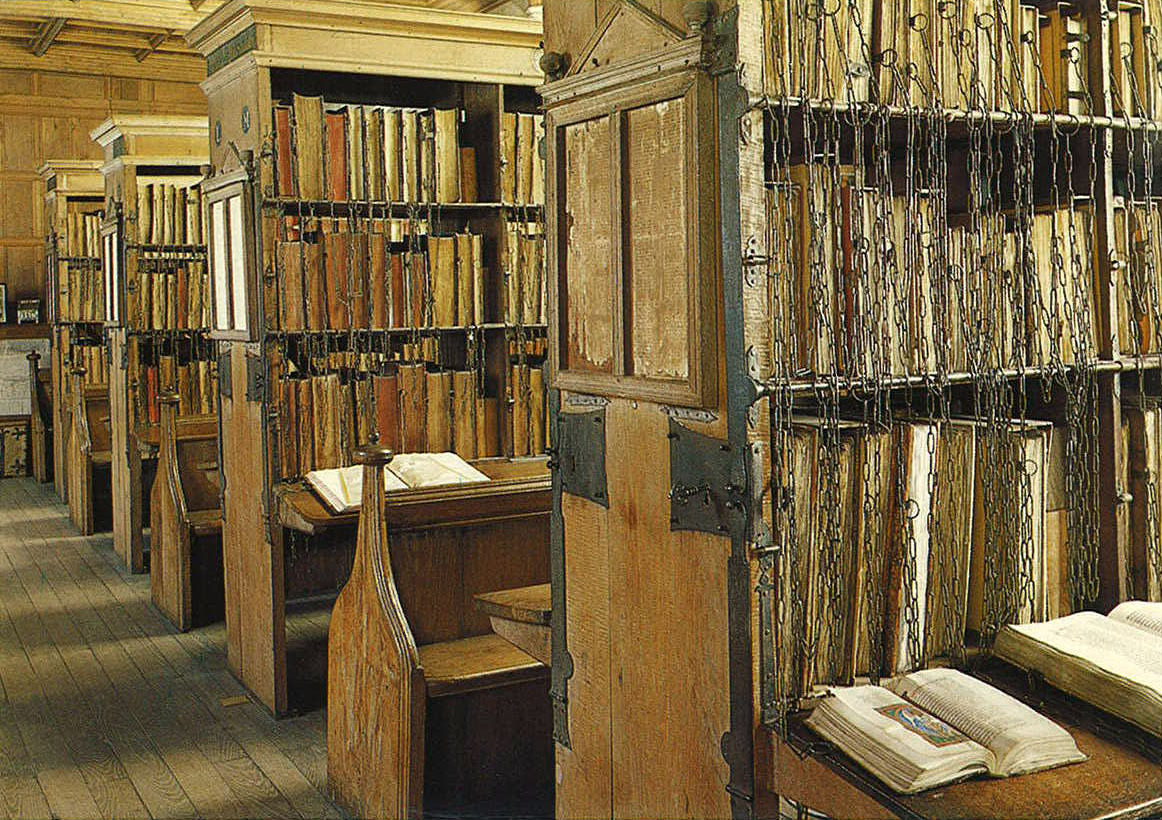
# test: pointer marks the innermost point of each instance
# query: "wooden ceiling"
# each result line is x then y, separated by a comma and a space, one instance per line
125, 37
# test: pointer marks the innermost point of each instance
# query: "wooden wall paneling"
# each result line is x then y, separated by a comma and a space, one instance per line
47, 107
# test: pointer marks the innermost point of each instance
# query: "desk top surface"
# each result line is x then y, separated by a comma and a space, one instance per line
1121, 779
301, 508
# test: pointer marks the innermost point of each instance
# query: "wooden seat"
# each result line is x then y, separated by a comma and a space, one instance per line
41, 426
185, 567
426, 706
479, 662
88, 452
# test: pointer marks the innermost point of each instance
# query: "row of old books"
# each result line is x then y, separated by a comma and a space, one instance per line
387, 154
349, 275
1134, 55
194, 381
169, 214
1142, 437
955, 54
412, 409
1137, 241
82, 296
927, 529
177, 298
525, 273
82, 236
94, 360
869, 284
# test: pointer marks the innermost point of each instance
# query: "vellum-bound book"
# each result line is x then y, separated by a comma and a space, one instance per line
940, 726
342, 488
1113, 663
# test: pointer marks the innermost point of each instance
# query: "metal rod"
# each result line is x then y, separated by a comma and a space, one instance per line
845, 384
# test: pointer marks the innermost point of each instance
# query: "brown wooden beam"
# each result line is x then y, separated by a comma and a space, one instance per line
155, 40
45, 34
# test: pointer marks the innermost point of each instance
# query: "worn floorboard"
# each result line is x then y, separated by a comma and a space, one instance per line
106, 711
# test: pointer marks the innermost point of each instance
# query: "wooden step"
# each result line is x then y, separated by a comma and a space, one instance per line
471, 664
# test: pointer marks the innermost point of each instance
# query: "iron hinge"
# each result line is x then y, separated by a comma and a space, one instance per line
580, 455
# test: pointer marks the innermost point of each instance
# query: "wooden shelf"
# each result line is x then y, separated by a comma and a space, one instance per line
398, 210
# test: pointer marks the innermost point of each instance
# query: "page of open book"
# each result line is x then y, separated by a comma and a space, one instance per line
1145, 615
1116, 647
419, 470
904, 745
992, 718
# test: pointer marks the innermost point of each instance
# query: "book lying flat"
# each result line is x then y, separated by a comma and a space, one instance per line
342, 488
1113, 663
939, 726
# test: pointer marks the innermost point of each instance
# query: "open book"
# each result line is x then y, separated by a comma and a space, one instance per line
1113, 663
939, 726
342, 488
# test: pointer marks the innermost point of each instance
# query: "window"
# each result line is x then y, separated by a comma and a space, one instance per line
633, 225
113, 271
230, 251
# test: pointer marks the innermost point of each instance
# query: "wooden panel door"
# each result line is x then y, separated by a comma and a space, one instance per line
636, 317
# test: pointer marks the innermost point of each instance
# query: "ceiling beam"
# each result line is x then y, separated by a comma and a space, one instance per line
175, 15
155, 40
45, 34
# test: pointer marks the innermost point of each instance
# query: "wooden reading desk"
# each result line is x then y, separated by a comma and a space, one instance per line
1122, 779
426, 707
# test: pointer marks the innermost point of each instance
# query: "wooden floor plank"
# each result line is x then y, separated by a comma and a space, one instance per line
106, 711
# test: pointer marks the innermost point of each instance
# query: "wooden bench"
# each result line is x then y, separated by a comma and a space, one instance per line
185, 564
89, 455
40, 428
426, 707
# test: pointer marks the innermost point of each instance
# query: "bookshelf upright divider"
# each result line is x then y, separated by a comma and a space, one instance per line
153, 259
360, 255
73, 189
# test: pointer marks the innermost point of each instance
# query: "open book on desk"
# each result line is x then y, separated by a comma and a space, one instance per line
342, 488
1113, 663
939, 726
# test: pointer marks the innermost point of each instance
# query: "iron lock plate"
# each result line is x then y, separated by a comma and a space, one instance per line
255, 378
225, 383
707, 483
581, 455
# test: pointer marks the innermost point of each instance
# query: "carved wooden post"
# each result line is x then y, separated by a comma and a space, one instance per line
37, 439
375, 689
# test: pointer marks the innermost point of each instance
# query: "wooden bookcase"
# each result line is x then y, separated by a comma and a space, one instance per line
261, 56
675, 580
143, 154
72, 188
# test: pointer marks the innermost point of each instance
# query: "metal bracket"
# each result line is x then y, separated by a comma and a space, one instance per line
225, 383
255, 379
707, 483
580, 456
125, 353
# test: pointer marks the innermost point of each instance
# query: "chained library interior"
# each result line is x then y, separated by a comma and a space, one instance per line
581, 408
